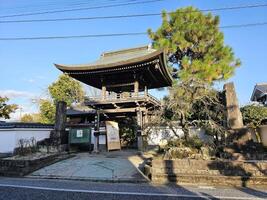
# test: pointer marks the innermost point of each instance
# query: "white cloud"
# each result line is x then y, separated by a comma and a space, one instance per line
15, 94
22, 110
26, 101
34, 79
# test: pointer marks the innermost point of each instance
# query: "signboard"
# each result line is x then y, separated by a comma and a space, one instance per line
79, 133
113, 137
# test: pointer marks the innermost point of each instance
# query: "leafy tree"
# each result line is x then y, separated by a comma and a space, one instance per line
210, 114
66, 89
194, 45
26, 118
34, 117
254, 116
183, 97
193, 103
6, 109
47, 112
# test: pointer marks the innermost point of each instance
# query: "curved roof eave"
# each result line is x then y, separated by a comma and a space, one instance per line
165, 65
89, 67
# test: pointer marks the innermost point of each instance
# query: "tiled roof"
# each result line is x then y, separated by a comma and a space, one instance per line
113, 58
260, 89
80, 111
10, 125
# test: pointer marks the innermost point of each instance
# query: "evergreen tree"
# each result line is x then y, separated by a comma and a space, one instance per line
47, 112
194, 45
64, 89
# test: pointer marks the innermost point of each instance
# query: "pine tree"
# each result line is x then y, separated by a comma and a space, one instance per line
194, 45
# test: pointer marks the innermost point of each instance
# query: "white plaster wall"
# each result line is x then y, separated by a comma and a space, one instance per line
160, 135
7, 141
9, 137
102, 138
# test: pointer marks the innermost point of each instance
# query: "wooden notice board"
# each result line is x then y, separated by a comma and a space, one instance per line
113, 137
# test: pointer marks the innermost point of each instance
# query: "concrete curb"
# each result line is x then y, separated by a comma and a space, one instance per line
102, 180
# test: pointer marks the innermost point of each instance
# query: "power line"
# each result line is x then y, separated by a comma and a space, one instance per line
77, 4
244, 25
79, 9
55, 3
76, 36
126, 16
118, 34
82, 18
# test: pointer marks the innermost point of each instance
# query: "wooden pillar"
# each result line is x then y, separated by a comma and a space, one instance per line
146, 92
104, 91
96, 132
139, 130
145, 117
136, 87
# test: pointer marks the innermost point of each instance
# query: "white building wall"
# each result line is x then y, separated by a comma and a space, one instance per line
9, 137
102, 138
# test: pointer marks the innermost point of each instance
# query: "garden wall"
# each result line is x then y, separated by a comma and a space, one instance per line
13, 167
186, 171
9, 137
159, 134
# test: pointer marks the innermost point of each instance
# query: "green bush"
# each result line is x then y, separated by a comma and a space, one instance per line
193, 142
254, 116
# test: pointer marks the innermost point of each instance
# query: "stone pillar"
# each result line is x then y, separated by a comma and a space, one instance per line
60, 123
234, 116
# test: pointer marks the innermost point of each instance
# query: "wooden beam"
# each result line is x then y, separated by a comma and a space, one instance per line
115, 105
119, 85
120, 110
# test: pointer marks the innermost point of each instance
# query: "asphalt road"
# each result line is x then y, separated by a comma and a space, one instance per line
24, 188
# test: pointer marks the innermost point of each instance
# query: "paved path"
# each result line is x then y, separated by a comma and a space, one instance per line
15, 188
113, 166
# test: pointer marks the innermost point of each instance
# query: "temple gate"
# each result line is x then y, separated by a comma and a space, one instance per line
124, 78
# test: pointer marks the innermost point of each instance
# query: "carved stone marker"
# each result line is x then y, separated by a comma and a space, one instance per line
60, 123
234, 116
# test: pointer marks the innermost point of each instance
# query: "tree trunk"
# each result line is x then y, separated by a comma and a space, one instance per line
185, 128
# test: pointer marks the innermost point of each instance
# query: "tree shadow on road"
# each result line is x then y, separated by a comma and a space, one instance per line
253, 191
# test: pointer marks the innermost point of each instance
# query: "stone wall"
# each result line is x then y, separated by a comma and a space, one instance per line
186, 171
12, 167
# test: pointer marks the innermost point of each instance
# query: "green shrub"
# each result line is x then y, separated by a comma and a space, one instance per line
194, 142
254, 116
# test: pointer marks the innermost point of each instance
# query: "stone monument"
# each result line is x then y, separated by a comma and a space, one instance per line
234, 116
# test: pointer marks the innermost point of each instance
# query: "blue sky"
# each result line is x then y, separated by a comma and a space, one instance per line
27, 66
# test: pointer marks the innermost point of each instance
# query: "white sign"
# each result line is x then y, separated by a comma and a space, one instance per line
113, 137
79, 133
